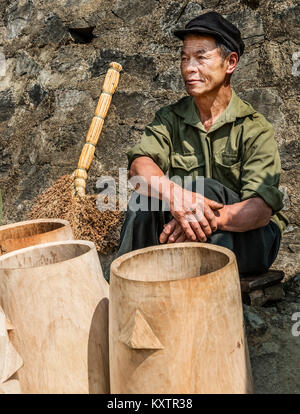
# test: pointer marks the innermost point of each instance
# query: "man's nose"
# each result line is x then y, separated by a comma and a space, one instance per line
192, 66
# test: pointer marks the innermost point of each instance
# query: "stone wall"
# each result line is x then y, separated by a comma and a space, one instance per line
57, 54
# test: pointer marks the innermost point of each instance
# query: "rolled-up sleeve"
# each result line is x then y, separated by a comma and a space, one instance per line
155, 143
261, 167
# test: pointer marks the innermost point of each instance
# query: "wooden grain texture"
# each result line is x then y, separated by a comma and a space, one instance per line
80, 185
87, 154
10, 360
137, 334
176, 322
86, 157
95, 130
57, 299
111, 79
250, 283
28, 233
9, 325
11, 386
103, 104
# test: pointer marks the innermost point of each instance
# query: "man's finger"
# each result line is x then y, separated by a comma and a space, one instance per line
185, 225
176, 233
205, 226
214, 204
198, 231
204, 223
168, 229
196, 227
182, 238
211, 218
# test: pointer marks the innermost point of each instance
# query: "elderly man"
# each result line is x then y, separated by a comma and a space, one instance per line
214, 134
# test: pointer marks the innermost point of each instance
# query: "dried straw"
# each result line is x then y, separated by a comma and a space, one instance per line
87, 222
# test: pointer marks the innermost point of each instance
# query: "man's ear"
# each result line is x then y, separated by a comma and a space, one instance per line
232, 61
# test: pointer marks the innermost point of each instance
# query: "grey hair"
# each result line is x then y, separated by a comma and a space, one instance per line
224, 50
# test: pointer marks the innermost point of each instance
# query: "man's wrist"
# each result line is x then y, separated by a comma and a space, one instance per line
223, 218
170, 191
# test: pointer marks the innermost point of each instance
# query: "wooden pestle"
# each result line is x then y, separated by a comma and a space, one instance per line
87, 154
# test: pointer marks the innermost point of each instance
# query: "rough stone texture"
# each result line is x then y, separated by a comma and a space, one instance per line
250, 24
16, 17
273, 338
7, 106
267, 102
57, 54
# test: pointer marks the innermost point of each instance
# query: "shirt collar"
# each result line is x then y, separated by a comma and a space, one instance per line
237, 108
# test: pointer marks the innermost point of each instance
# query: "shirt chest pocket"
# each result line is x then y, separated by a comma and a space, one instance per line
227, 170
187, 164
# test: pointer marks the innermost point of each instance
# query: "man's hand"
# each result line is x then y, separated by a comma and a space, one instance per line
172, 233
195, 214
246, 215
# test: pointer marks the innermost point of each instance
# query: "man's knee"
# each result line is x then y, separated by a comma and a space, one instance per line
214, 190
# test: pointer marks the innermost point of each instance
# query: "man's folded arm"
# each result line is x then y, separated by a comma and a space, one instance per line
155, 143
260, 196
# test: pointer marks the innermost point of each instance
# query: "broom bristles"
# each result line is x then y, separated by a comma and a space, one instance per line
87, 222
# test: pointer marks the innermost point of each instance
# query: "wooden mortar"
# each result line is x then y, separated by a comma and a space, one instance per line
29, 233
55, 296
176, 322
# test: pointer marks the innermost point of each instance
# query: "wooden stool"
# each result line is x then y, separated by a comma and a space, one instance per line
262, 288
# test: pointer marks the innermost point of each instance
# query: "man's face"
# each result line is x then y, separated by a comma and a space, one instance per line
202, 67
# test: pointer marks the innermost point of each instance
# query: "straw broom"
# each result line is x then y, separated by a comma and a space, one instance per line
66, 198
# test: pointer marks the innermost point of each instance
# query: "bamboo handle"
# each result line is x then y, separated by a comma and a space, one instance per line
87, 154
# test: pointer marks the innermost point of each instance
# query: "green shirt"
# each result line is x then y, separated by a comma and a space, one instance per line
239, 150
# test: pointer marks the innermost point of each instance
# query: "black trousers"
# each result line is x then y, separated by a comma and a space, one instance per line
255, 250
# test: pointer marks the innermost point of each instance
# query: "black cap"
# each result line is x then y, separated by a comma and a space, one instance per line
214, 24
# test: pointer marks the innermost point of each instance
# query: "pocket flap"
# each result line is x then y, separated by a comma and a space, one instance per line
187, 162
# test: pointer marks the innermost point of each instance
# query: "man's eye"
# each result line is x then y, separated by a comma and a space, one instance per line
183, 59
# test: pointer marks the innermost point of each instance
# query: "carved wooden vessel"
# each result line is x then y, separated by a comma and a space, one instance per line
28, 233
10, 360
57, 299
176, 322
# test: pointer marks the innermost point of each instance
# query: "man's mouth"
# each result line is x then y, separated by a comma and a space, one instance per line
193, 81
